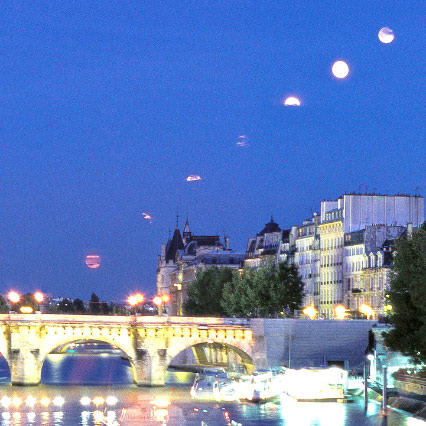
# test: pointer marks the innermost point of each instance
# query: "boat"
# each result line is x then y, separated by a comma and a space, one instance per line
262, 385
317, 384
215, 386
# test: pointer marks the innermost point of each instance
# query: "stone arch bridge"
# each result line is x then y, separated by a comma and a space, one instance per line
150, 343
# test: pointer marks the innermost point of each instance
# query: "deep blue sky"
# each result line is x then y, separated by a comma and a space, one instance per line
107, 106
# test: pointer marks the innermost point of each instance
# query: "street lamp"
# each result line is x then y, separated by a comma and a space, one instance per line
160, 302
179, 298
134, 300
14, 297
310, 312
365, 309
340, 312
38, 297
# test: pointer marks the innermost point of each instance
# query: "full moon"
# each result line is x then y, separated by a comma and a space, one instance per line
340, 69
292, 101
386, 35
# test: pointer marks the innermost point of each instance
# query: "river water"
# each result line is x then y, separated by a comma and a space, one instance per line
97, 390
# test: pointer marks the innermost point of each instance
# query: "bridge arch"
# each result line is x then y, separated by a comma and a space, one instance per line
127, 350
242, 348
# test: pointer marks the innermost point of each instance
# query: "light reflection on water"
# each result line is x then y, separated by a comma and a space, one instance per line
66, 404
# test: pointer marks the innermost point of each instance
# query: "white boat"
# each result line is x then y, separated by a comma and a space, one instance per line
262, 385
316, 384
214, 386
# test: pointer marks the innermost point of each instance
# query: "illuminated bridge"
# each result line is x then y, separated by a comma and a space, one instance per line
150, 343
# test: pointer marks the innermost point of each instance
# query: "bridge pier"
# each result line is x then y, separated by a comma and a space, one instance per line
25, 369
150, 367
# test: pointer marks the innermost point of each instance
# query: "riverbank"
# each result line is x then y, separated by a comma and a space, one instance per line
410, 405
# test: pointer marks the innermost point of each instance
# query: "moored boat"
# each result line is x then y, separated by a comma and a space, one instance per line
262, 385
214, 386
319, 384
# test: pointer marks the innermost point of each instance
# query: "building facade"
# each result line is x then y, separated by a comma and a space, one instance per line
307, 259
271, 244
354, 268
182, 256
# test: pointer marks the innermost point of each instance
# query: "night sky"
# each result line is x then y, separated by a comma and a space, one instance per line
107, 106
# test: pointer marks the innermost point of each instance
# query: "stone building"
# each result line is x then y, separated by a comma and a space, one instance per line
331, 263
342, 248
182, 256
185, 273
368, 261
307, 258
271, 244
348, 215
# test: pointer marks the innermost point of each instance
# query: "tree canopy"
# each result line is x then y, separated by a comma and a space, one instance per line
407, 297
268, 291
94, 306
205, 292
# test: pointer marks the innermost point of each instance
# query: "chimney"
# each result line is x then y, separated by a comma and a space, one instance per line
409, 230
226, 242
163, 250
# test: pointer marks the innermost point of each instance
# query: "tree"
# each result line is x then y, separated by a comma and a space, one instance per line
269, 291
205, 292
78, 306
26, 300
407, 297
94, 305
66, 306
236, 298
4, 306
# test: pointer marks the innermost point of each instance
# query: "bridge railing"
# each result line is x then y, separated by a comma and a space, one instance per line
122, 320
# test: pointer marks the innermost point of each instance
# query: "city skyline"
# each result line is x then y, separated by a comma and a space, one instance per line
114, 118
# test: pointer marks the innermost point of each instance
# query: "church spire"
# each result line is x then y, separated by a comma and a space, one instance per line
186, 232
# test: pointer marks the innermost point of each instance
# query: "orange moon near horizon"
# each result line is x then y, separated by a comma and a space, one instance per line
93, 261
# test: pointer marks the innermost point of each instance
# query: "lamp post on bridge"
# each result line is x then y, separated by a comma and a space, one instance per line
160, 302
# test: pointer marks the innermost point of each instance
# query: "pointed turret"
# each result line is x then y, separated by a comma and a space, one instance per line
186, 233
174, 245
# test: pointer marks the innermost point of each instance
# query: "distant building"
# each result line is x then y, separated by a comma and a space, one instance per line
307, 258
368, 261
346, 215
185, 272
271, 244
177, 263
361, 210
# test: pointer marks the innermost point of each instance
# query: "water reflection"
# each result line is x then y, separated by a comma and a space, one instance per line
120, 403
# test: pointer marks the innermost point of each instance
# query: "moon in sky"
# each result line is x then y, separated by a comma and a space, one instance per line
93, 261
340, 69
386, 35
192, 178
292, 101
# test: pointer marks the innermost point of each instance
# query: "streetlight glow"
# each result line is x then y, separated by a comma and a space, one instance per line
14, 297
38, 296
310, 312
340, 312
157, 300
132, 300
365, 309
